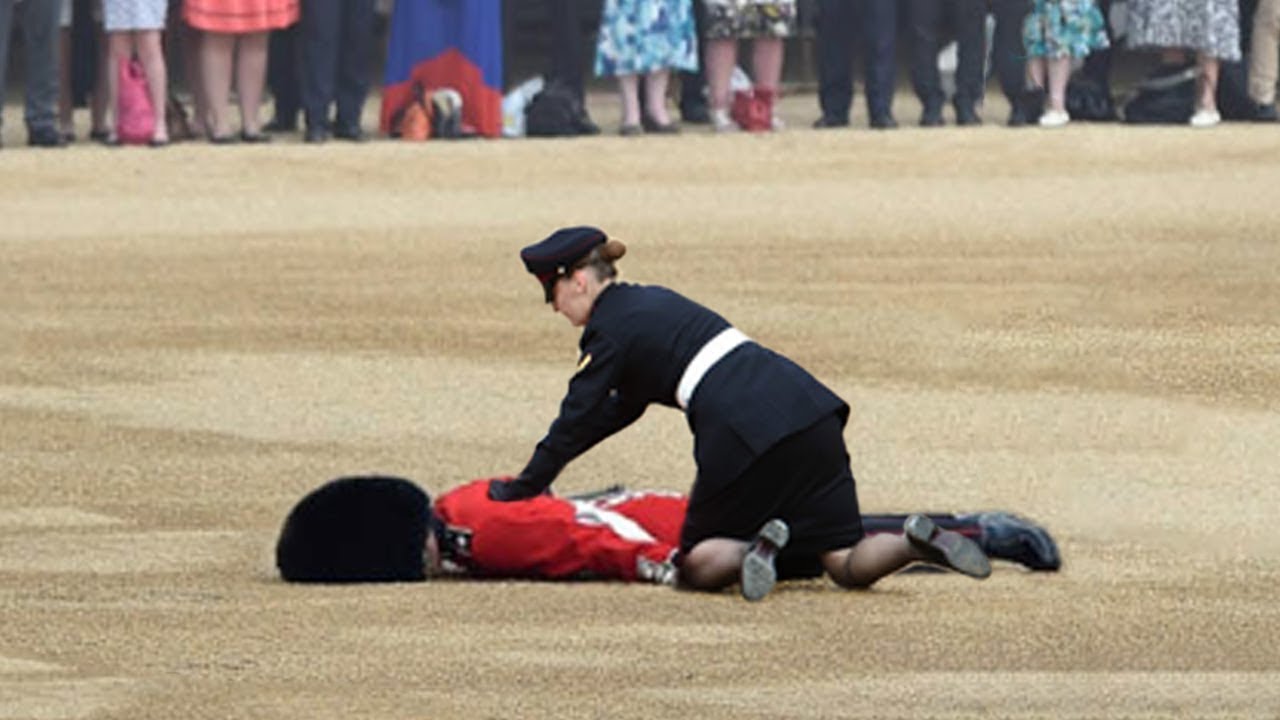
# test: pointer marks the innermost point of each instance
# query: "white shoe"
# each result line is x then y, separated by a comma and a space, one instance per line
1205, 118
1054, 118
722, 123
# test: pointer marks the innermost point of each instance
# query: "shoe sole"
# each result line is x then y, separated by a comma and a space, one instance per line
758, 575
947, 548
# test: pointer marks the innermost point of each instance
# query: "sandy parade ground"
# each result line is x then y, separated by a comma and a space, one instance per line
1082, 326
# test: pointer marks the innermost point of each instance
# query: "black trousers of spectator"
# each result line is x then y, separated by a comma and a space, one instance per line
870, 25
693, 85
1008, 53
567, 55
282, 75
337, 38
966, 20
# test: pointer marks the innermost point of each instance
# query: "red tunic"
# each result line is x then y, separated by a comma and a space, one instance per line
555, 538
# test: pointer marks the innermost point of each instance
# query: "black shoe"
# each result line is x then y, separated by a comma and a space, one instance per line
883, 121
758, 574
280, 125
45, 137
653, 126
827, 121
1264, 112
585, 125
257, 138
1006, 536
947, 548
350, 134
316, 135
1017, 118
931, 117
695, 113
967, 116
1031, 103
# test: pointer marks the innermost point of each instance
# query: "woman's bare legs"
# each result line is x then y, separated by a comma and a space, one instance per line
721, 56
1059, 74
215, 81
251, 78
152, 56
1207, 99
628, 91
655, 96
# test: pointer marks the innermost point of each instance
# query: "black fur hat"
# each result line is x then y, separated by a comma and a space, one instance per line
356, 529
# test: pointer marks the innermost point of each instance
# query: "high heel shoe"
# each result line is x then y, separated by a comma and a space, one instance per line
650, 125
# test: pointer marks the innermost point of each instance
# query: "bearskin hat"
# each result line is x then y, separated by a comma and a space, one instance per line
356, 529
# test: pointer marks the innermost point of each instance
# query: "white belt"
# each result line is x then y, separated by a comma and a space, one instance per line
710, 354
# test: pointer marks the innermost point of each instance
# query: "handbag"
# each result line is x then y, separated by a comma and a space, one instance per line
135, 116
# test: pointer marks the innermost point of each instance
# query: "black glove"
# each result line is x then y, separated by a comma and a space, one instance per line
509, 489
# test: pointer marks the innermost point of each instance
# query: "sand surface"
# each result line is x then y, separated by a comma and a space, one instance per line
1081, 326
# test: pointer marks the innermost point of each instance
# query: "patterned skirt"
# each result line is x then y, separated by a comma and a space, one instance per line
240, 16
1207, 26
640, 36
1064, 28
120, 15
731, 19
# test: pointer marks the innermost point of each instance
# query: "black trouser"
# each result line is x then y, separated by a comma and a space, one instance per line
966, 19
282, 74
566, 45
873, 23
1008, 53
337, 37
693, 84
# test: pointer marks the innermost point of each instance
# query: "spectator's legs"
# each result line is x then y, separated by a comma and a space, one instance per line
721, 56
628, 93
1264, 53
871, 559
971, 41
566, 45
66, 118
283, 78
1097, 65
835, 71
879, 43
693, 85
353, 63
1059, 73
6, 31
1009, 56
926, 20
321, 33
655, 97
119, 48
40, 38
98, 104
192, 64
251, 79
216, 51
151, 54
1207, 86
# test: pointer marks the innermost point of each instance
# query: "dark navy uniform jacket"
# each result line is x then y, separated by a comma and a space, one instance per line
635, 347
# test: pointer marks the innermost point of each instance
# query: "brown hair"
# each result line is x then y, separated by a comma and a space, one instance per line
602, 257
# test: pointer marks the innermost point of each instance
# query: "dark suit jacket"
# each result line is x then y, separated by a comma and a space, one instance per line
635, 348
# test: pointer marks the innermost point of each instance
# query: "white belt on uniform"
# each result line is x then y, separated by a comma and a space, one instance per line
710, 354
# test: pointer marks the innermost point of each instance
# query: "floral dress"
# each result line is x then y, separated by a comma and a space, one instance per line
641, 36
1064, 28
730, 19
1211, 27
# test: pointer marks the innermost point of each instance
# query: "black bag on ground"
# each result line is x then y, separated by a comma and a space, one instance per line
1088, 99
1165, 96
554, 112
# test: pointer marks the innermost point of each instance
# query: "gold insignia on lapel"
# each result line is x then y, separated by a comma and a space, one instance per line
584, 361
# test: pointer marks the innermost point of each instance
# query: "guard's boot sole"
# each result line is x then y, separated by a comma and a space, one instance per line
759, 575
947, 548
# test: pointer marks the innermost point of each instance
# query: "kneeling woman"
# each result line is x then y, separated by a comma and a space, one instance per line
773, 488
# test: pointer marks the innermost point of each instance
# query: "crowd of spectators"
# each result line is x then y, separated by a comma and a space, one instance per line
315, 56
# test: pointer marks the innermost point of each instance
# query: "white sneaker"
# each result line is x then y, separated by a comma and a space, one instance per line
1205, 118
722, 123
1054, 118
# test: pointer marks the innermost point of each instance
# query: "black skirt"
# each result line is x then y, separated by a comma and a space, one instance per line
805, 480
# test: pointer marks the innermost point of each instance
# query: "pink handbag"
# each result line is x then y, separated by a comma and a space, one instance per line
135, 117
